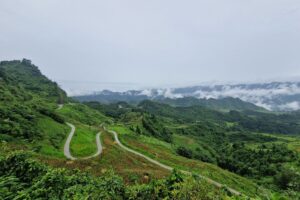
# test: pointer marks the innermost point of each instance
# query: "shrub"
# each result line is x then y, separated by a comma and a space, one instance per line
183, 151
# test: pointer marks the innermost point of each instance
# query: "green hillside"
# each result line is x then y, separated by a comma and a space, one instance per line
251, 152
26, 76
235, 141
27, 97
224, 104
32, 123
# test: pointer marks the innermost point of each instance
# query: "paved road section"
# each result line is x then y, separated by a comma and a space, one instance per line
68, 142
166, 166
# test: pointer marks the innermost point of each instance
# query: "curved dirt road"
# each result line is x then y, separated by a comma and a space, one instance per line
166, 166
68, 141
139, 154
67, 144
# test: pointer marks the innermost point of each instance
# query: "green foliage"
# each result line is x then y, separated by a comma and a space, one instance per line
183, 151
262, 162
26, 75
153, 127
26, 97
113, 110
52, 114
23, 178
9, 187
246, 136
180, 114
265, 122
246, 120
176, 187
288, 179
76, 112
18, 120
18, 165
224, 104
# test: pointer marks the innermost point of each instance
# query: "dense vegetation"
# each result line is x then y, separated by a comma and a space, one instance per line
264, 161
23, 74
26, 97
245, 120
223, 104
24, 178
222, 138
245, 142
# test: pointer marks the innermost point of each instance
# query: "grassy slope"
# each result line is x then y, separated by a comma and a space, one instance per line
79, 113
87, 123
27, 102
84, 141
129, 166
164, 153
126, 164
55, 134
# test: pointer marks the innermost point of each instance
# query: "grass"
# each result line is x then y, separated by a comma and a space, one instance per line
55, 134
165, 153
83, 142
83, 114
85, 120
127, 164
182, 140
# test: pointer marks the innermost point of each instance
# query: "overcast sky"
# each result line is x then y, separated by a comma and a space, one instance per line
152, 43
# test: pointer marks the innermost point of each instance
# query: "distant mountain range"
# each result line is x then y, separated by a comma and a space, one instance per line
275, 96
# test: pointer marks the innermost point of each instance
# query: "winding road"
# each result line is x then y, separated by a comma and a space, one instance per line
68, 142
233, 191
99, 151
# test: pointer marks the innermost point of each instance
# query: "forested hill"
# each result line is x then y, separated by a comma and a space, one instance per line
222, 104
26, 97
26, 76
248, 120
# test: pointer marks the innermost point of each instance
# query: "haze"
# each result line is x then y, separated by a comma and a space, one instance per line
153, 43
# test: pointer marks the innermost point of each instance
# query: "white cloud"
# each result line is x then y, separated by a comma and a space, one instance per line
147, 92
261, 95
295, 105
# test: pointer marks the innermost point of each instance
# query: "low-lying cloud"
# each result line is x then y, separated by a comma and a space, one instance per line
272, 96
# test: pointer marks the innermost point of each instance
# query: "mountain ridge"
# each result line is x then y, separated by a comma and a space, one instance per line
274, 96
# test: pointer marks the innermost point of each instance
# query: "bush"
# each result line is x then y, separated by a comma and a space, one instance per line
52, 115
288, 179
24, 178
182, 151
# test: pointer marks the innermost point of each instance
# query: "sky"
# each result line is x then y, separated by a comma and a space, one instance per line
123, 44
